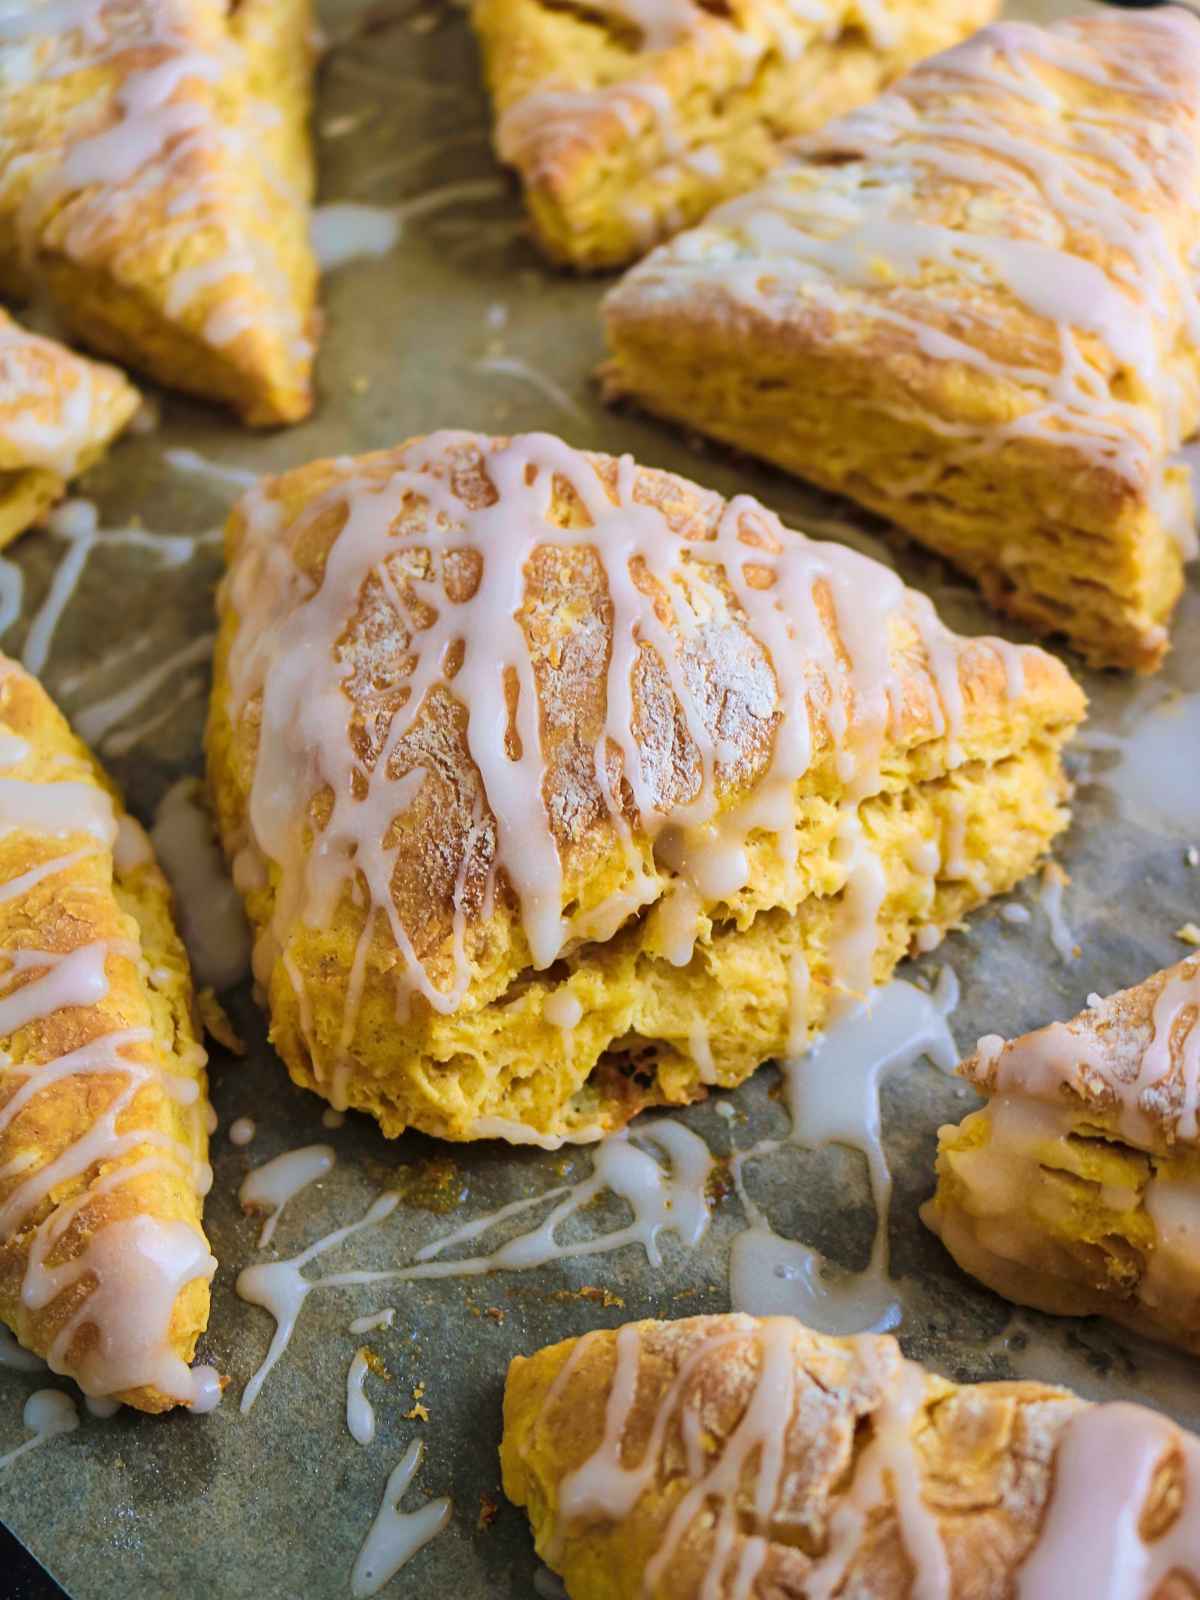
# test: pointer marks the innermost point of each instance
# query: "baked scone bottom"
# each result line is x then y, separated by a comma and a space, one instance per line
628, 123
1077, 1188
558, 787
58, 415
155, 182
740, 1458
104, 1266
929, 307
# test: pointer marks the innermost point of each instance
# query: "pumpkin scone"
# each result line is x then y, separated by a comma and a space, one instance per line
155, 182
737, 1458
1077, 1188
558, 786
971, 307
58, 415
104, 1266
629, 119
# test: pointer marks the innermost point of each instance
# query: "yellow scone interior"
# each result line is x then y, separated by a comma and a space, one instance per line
970, 307
155, 181
104, 1114
557, 786
628, 120
58, 414
1076, 1189
733, 1456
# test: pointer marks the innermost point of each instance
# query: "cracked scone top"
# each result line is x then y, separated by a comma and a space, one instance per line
557, 786
1077, 1188
741, 1458
155, 179
971, 306
104, 1266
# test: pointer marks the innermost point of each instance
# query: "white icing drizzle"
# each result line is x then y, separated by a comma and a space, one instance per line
374, 1320
242, 1130
661, 1198
97, 721
270, 1187
16, 1357
285, 652
208, 907
1090, 1542
833, 1094
1050, 899
541, 382
194, 465
395, 1536
360, 1413
348, 230
48, 1413
101, 1406
1052, 187
139, 1264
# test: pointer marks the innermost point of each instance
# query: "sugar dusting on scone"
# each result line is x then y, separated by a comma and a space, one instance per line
1077, 1188
558, 787
58, 415
628, 120
971, 307
104, 1115
155, 180
740, 1457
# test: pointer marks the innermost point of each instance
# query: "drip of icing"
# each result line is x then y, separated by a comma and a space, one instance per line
513, 367
195, 465
242, 1130
360, 1413
1050, 898
562, 1009
349, 231
16, 1356
96, 721
395, 1536
270, 1187
101, 1406
48, 1413
209, 908
375, 1320
833, 1094
284, 652
661, 1199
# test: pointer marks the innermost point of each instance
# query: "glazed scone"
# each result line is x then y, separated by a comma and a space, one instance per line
155, 180
1077, 1188
628, 120
558, 787
970, 306
737, 1458
58, 415
104, 1266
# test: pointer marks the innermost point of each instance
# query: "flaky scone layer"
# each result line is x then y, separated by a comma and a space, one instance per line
639, 823
1077, 1188
627, 122
740, 1458
155, 180
966, 307
58, 415
104, 1267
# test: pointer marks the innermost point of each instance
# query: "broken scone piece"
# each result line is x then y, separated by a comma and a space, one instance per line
58, 415
970, 306
104, 1266
558, 786
629, 119
155, 179
1077, 1188
741, 1458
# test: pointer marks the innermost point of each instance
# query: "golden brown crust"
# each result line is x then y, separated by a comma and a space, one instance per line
158, 184
87, 900
983, 1454
907, 366
58, 415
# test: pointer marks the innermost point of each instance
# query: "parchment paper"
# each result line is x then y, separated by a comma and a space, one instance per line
276, 1504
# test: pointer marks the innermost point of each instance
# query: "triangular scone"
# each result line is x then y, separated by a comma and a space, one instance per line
1077, 1188
155, 178
104, 1267
58, 415
741, 1458
972, 307
559, 787
629, 119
